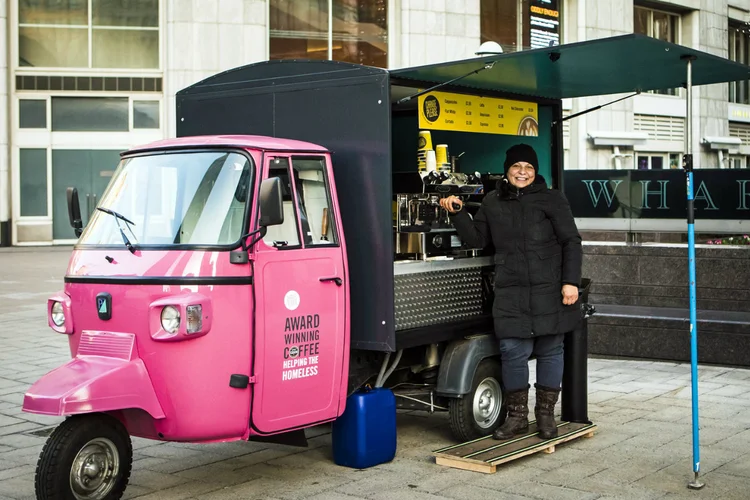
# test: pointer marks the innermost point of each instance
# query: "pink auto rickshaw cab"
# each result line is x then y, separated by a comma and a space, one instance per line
239, 282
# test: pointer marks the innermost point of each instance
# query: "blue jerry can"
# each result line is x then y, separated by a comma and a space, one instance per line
365, 434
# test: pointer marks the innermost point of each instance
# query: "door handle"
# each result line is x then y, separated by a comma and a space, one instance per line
335, 279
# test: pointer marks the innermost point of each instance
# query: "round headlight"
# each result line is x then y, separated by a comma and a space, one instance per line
58, 315
170, 319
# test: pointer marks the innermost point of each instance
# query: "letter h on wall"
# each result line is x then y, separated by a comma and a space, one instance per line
661, 193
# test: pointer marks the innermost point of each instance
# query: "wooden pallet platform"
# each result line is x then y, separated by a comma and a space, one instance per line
486, 454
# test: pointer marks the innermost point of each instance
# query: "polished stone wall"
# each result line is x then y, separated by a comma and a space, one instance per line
637, 288
657, 276
660, 339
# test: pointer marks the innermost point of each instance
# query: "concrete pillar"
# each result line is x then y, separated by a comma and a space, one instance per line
5, 127
205, 38
590, 20
711, 110
435, 31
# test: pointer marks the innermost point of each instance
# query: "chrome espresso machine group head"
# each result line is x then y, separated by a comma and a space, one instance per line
422, 227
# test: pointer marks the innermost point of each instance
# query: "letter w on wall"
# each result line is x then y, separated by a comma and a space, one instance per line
603, 189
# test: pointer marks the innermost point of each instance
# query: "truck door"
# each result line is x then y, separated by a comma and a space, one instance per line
300, 296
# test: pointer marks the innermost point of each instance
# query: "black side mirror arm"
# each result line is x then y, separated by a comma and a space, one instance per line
242, 256
260, 232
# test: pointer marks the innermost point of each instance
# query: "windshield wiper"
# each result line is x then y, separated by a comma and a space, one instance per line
119, 217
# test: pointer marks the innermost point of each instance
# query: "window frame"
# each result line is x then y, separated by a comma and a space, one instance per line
734, 30
650, 155
665, 156
48, 96
391, 34
268, 158
739, 158
676, 92
15, 49
332, 220
523, 13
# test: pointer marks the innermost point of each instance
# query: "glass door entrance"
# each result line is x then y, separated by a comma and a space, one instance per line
89, 171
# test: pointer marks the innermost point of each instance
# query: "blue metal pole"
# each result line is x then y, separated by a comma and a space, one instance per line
688, 166
693, 333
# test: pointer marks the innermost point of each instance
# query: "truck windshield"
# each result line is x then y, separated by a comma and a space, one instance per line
177, 198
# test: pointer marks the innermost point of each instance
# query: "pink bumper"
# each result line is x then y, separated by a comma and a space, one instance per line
90, 384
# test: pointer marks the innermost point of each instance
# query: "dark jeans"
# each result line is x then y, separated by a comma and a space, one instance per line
515, 354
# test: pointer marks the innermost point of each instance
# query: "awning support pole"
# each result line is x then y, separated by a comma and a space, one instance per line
488, 65
688, 164
595, 108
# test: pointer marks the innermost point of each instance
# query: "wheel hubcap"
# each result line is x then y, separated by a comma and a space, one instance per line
487, 402
95, 470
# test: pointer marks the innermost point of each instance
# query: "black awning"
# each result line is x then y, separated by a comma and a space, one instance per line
620, 64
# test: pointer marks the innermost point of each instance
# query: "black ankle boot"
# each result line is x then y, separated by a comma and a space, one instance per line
546, 399
517, 421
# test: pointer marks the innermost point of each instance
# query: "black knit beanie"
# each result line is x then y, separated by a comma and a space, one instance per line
521, 152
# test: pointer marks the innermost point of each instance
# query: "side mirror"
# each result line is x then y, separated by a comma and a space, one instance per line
74, 211
271, 214
271, 203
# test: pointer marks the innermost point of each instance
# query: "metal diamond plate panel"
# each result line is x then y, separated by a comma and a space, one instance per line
437, 297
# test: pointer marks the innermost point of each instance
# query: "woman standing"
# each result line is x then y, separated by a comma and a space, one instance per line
537, 274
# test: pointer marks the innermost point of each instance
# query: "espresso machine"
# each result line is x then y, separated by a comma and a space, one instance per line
422, 228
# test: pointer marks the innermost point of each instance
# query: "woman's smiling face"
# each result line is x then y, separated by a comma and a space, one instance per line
521, 174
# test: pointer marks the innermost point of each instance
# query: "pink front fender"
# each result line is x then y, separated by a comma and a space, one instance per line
90, 384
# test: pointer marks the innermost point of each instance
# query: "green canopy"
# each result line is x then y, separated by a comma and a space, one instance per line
626, 63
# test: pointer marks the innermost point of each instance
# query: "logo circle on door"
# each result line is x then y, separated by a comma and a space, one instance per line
291, 300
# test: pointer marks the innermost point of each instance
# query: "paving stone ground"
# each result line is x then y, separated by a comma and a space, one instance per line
642, 450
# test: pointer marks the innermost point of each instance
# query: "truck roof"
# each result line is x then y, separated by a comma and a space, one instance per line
242, 141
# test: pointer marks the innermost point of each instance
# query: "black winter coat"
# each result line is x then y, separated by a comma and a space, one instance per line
537, 250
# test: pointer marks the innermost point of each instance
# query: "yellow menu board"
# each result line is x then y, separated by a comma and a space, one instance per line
485, 115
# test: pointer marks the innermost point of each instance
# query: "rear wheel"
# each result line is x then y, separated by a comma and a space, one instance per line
88, 457
482, 410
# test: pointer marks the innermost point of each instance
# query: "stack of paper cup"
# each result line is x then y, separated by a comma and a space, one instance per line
430, 163
425, 145
441, 153
425, 140
441, 158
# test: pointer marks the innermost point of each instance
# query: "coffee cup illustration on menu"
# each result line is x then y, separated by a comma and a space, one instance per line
529, 126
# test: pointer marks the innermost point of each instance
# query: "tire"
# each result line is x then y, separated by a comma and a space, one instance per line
95, 443
467, 425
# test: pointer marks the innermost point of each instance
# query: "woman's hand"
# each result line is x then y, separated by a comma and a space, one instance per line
447, 203
570, 294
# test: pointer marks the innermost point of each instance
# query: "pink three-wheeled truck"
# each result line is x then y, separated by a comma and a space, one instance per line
234, 285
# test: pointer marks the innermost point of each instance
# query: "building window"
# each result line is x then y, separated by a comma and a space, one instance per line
32, 113
737, 162
660, 25
112, 113
739, 38
120, 34
657, 161
146, 114
33, 173
499, 23
90, 114
650, 162
520, 24
354, 31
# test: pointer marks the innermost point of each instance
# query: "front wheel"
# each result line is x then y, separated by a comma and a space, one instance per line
481, 411
87, 457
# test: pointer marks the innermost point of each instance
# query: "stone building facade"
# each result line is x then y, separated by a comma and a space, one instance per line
82, 80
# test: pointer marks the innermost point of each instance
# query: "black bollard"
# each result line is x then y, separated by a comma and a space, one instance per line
574, 397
